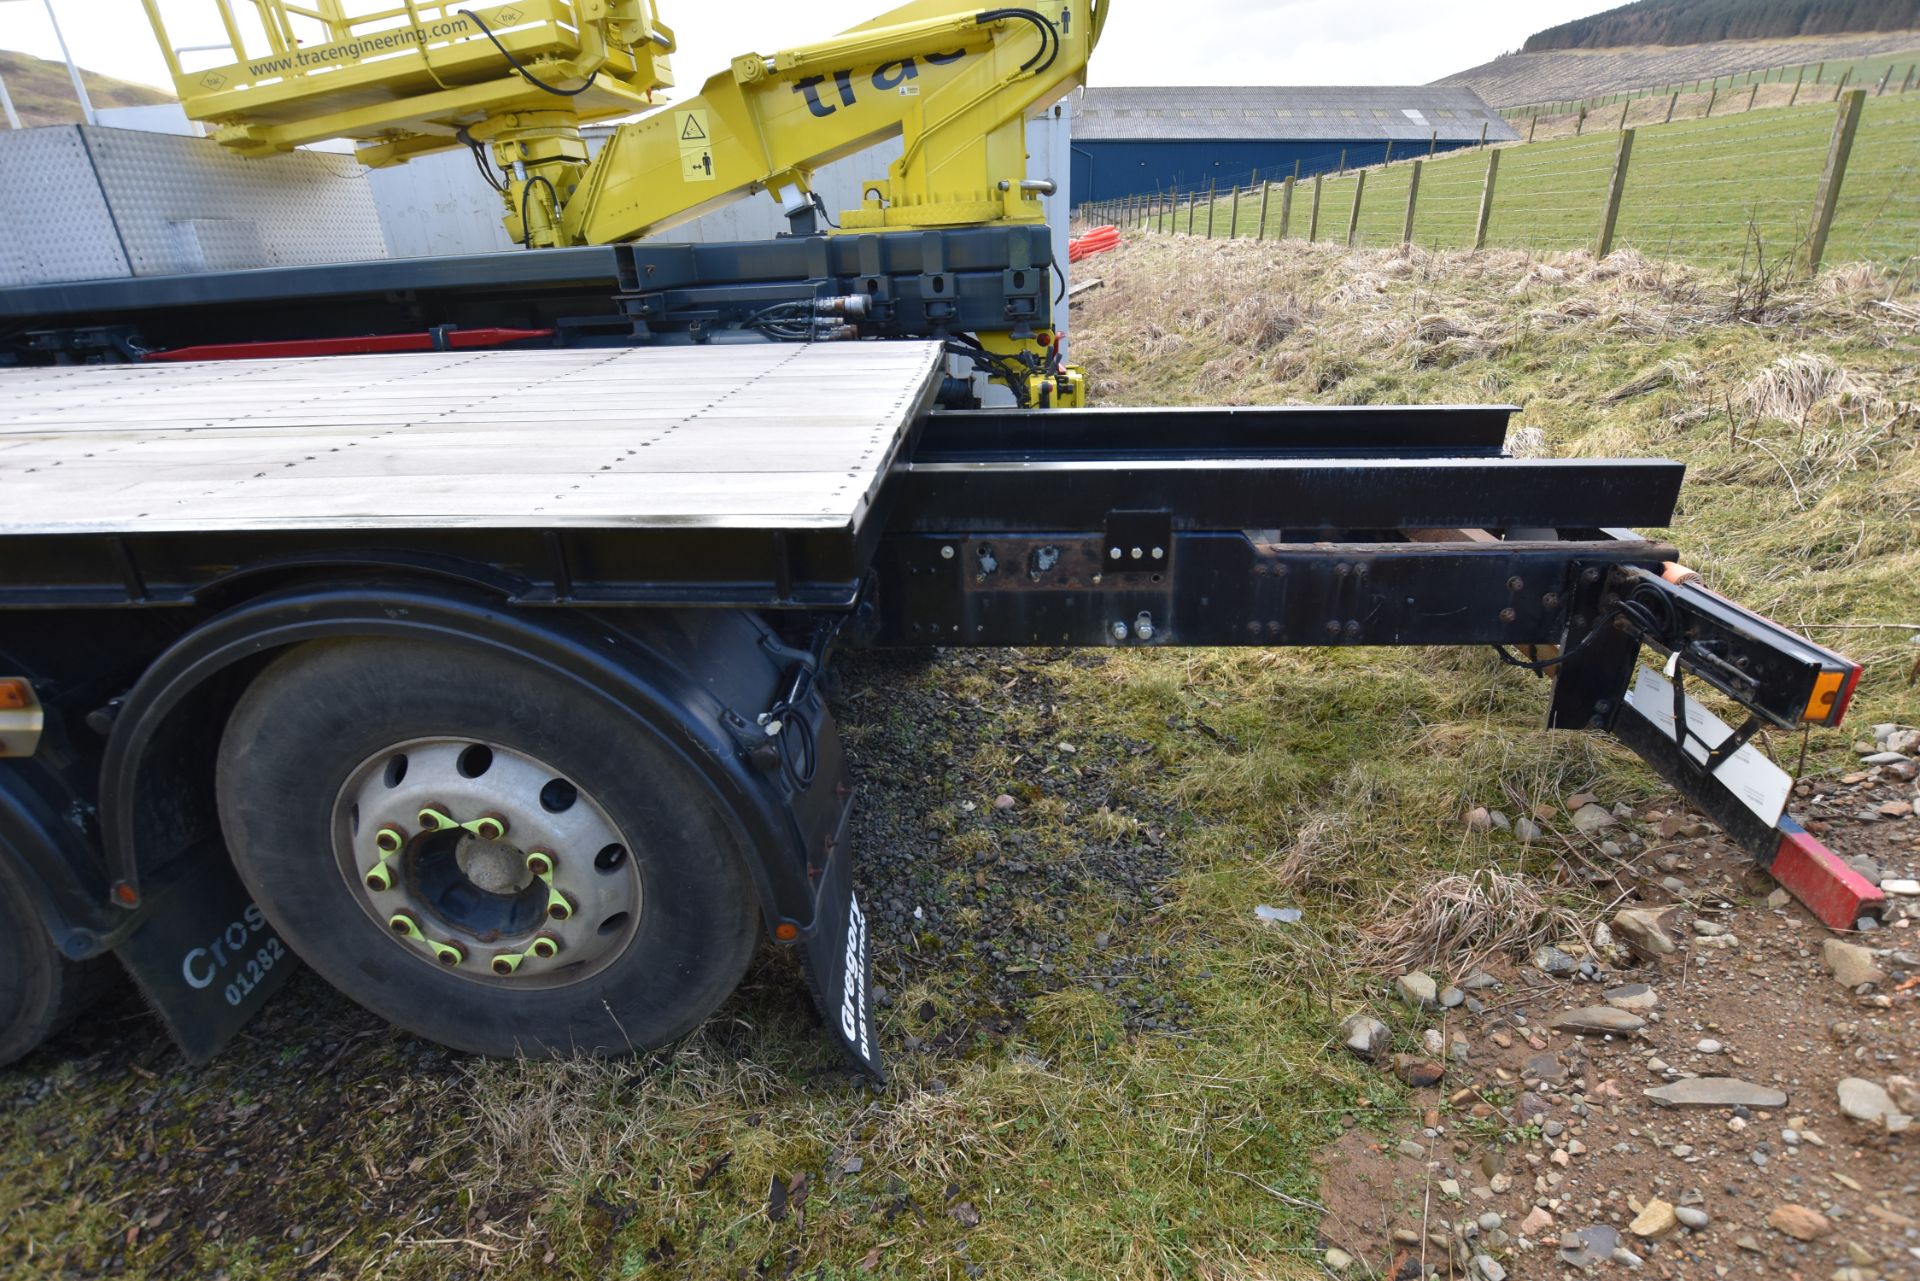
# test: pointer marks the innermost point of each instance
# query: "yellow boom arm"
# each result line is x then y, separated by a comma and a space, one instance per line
956, 85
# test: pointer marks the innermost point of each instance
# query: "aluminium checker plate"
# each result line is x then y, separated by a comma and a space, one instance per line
106, 204
57, 226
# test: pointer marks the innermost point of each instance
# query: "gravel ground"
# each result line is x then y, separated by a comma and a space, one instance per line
1538, 1138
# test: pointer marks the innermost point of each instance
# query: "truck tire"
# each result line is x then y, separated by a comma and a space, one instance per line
482, 851
41, 991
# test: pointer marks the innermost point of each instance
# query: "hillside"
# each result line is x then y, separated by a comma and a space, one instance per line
1522, 79
1683, 22
43, 94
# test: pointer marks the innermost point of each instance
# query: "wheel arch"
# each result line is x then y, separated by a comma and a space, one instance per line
190, 690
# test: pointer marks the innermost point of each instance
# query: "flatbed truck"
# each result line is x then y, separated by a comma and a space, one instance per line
458, 626
512, 726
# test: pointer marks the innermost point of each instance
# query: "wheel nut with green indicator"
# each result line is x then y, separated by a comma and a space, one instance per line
540, 863
544, 946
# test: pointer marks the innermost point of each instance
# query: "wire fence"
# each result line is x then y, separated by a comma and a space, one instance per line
1791, 84
1832, 182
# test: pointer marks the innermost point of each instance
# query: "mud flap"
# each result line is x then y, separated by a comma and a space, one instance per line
838, 958
204, 956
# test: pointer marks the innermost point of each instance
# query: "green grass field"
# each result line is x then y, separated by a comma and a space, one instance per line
1718, 192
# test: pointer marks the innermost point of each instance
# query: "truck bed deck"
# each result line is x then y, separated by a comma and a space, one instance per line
762, 435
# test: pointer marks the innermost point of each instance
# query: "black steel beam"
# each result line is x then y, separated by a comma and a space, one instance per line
755, 568
1225, 589
1064, 435
1210, 493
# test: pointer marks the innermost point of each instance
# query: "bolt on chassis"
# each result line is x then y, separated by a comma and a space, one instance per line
488, 681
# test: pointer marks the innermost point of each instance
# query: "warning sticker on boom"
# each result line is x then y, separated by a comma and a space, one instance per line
696, 145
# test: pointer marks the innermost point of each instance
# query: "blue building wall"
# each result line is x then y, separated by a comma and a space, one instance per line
1110, 169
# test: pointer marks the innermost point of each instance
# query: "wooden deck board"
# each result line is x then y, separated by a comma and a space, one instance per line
752, 435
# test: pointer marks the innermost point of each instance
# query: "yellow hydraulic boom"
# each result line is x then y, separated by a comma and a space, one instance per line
957, 85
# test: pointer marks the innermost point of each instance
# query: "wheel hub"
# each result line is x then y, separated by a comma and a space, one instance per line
494, 866
484, 860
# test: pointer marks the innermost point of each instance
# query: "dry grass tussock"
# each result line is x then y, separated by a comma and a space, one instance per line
1456, 920
1789, 388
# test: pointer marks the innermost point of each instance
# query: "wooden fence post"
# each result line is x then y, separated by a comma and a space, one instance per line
1486, 201
1286, 206
1343, 162
1413, 194
1753, 95
1615, 188
1883, 81
1353, 218
1839, 148
1711, 99
1190, 196
1625, 107
1233, 216
1313, 223
1672, 102
1388, 158
1818, 74
1844, 77
1433, 139
1908, 78
1266, 190
1483, 133
1213, 200
1797, 80
1532, 124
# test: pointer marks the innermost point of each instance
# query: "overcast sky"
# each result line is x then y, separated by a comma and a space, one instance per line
1146, 43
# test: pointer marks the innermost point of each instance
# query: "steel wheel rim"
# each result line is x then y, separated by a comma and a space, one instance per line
486, 862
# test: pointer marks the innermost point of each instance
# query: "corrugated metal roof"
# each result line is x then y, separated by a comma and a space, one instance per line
1264, 113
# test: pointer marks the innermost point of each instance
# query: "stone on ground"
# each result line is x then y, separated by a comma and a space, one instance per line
1365, 1035
1799, 1222
1642, 931
1632, 996
1716, 1092
1592, 818
1851, 964
1417, 989
1598, 1020
1655, 1221
1868, 1101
